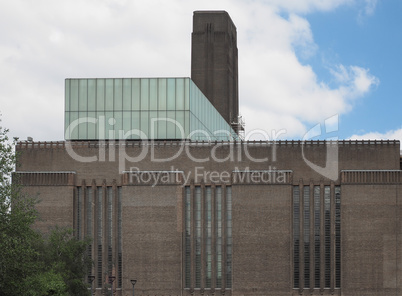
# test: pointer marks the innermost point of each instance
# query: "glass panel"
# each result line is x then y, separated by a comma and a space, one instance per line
135, 94
127, 122
101, 126
135, 124
187, 94
144, 94
118, 94
153, 116
91, 126
109, 95
110, 123
153, 94
171, 94
74, 129
180, 134
126, 94
100, 94
317, 236
186, 123
67, 125
296, 237
67, 95
162, 124
198, 231
170, 125
144, 124
91, 95
187, 239
73, 95
118, 127
327, 235
180, 94
162, 95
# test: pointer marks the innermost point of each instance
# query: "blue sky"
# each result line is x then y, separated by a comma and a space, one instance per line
348, 35
301, 63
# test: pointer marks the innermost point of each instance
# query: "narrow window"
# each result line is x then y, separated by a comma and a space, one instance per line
119, 239
89, 223
306, 226
317, 236
327, 238
79, 206
198, 237
337, 237
99, 236
228, 237
208, 244
109, 229
187, 238
296, 237
218, 223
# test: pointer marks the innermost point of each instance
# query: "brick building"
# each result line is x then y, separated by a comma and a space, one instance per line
155, 171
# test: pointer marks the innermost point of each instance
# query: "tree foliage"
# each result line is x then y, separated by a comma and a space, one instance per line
32, 263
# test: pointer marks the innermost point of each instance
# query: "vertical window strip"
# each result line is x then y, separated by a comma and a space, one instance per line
187, 238
218, 223
79, 209
119, 239
327, 235
208, 245
99, 236
337, 236
317, 237
306, 232
228, 237
198, 237
296, 237
89, 224
109, 229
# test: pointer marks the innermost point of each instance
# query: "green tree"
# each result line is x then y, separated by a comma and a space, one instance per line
68, 257
31, 263
18, 240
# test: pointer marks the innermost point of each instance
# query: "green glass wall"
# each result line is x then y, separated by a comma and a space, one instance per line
140, 108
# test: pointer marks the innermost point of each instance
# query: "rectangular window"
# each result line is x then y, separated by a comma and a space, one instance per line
337, 237
187, 238
296, 237
212, 220
99, 235
228, 237
307, 215
198, 237
79, 212
119, 239
306, 238
317, 237
89, 223
208, 243
327, 235
110, 229
218, 223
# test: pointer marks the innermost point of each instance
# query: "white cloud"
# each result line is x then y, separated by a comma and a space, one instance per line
389, 135
47, 41
370, 6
